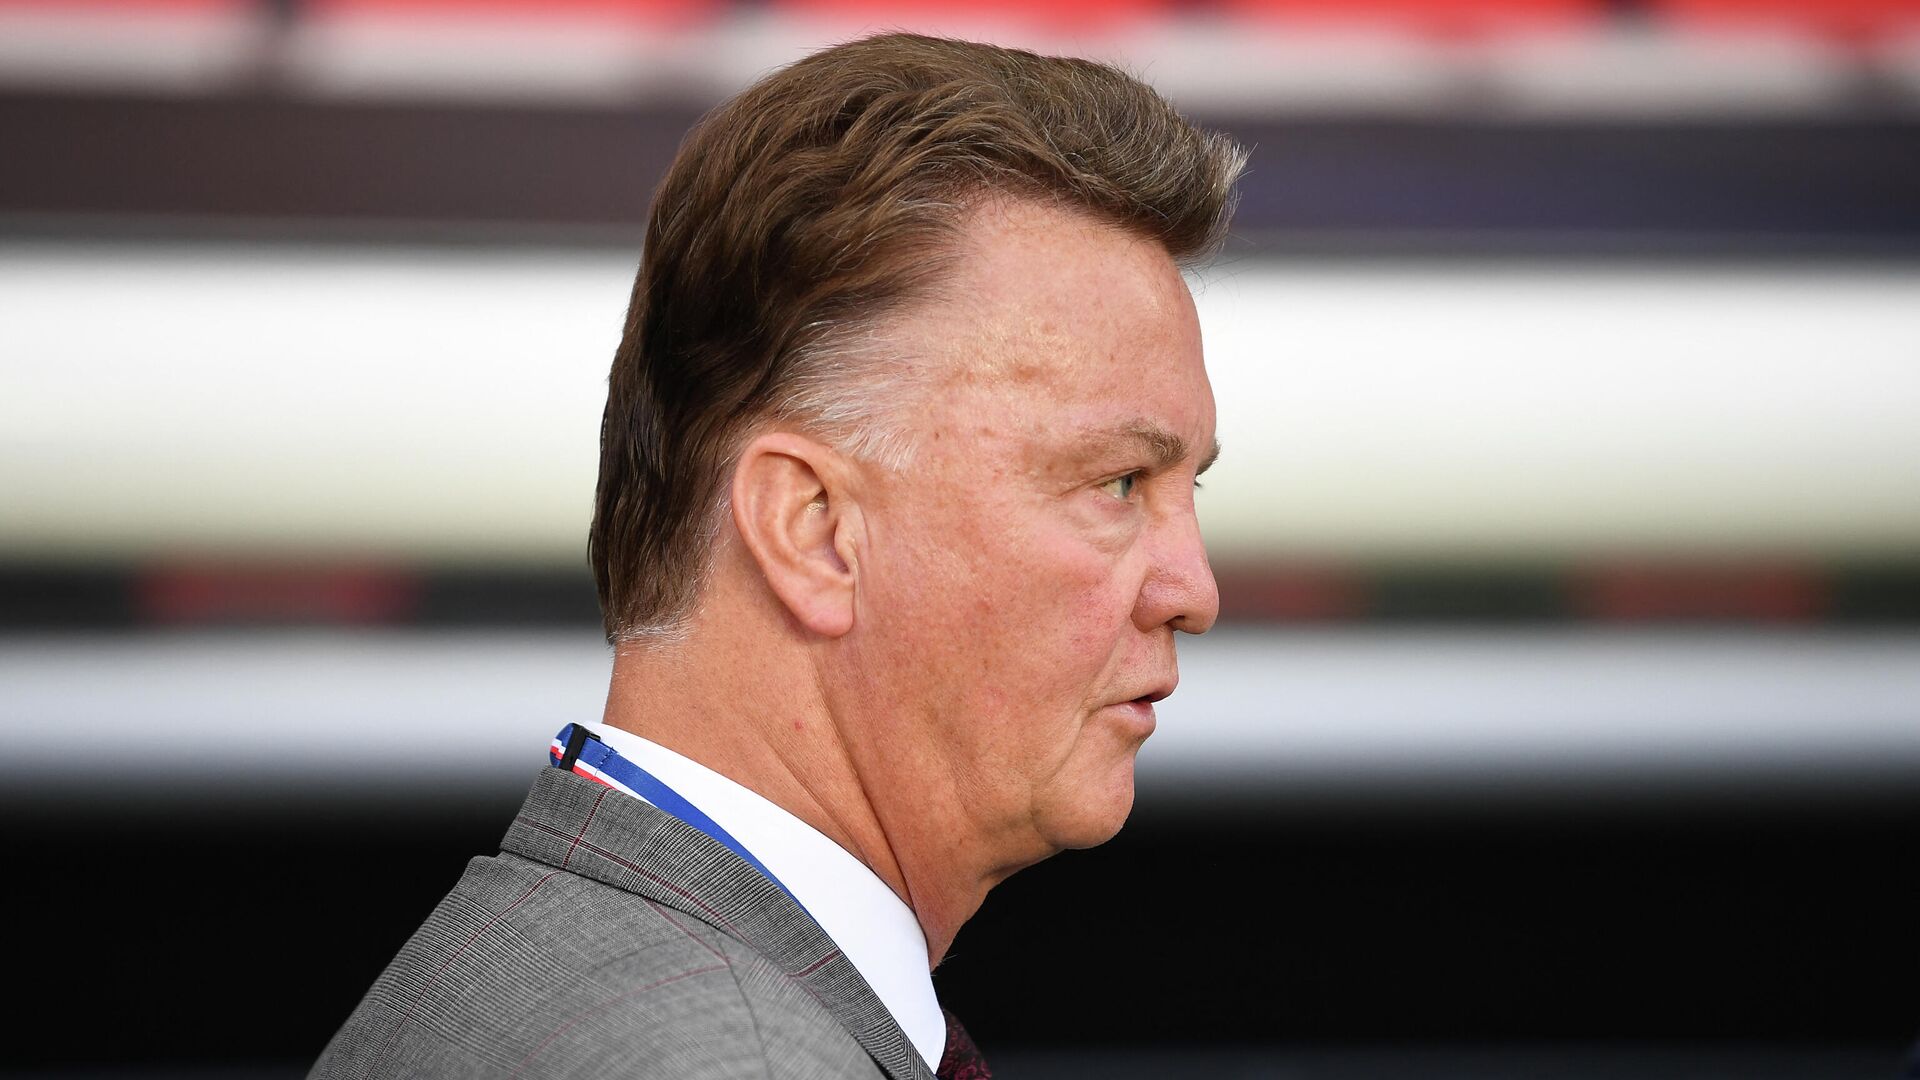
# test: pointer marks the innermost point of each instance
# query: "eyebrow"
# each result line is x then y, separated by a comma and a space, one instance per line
1163, 446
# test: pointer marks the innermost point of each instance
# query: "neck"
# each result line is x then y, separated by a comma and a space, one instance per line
769, 727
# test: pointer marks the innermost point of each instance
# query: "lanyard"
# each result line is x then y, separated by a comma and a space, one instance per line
581, 752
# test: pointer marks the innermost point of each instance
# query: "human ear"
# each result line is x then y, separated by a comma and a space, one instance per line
796, 515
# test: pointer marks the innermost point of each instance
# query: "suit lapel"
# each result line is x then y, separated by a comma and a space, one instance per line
575, 824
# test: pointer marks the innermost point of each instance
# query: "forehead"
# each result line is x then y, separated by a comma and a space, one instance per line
1051, 312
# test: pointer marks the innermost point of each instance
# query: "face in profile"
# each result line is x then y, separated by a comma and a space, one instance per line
1026, 575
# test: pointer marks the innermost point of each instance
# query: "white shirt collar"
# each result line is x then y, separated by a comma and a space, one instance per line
874, 928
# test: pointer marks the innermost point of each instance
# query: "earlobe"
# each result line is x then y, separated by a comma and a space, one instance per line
795, 514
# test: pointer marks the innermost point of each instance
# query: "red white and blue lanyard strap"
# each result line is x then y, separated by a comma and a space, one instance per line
581, 752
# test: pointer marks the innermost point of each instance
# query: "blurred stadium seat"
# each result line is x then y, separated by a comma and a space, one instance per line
1444, 17
1853, 20
578, 50
167, 46
1090, 15
1393, 57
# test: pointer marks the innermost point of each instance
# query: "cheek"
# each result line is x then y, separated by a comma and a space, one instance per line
1023, 602
1049, 608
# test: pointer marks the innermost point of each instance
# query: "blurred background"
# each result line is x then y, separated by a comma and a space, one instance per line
1564, 717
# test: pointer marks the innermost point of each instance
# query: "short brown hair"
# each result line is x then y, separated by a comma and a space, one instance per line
816, 201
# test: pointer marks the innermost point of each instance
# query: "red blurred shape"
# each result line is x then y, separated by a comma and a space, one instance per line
1292, 593
1443, 17
1055, 14
205, 593
1762, 592
1848, 19
134, 7
660, 12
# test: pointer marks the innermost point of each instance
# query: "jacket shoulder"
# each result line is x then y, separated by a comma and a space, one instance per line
527, 970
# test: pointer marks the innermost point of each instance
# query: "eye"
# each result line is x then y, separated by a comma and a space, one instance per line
1121, 487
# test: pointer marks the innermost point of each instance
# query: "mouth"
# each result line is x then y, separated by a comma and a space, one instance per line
1139, 709
1135, 716
1157, 692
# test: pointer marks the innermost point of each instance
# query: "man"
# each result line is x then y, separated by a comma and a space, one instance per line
894, 531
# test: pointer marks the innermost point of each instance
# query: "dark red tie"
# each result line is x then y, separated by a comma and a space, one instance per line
961, 1059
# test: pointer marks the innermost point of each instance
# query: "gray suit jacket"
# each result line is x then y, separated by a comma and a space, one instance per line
610, 939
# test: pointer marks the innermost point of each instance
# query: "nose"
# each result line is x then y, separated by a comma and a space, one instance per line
1179, 590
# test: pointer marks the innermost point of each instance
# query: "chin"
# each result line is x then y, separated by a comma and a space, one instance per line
1094, 816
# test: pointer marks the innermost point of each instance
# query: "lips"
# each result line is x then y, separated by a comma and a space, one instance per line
1140, 720
1157, 692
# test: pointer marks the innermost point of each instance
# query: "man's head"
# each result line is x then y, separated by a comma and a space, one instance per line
912, 384
803, 214
1021, 581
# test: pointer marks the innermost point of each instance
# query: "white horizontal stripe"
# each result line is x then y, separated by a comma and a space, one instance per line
1411, 410
1255, 710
